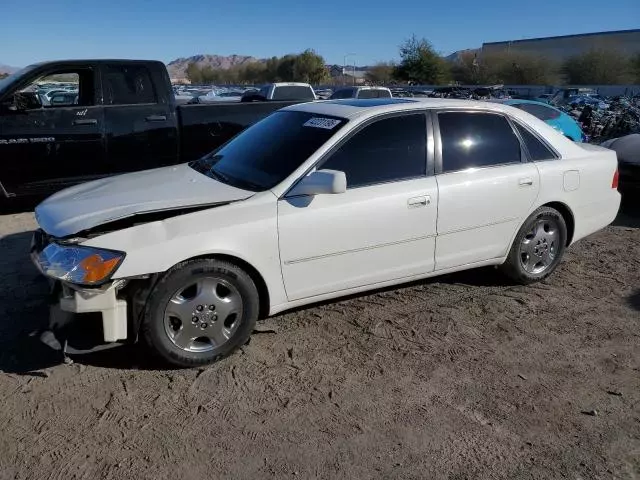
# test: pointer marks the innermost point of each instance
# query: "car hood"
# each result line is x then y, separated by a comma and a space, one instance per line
95, 203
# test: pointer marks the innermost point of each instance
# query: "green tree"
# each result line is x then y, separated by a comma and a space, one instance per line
420, 63
253, 73
271, 70
194, 74
516, 68
208, 74
286, 69
520, 68
598, 66
468, 69
3, 75
381, 73
309, 67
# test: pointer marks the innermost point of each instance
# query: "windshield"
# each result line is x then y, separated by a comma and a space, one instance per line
5, 82
268, 152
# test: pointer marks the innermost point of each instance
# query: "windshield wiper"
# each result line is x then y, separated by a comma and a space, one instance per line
221, 177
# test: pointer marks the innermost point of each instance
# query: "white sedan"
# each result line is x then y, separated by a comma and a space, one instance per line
318, 201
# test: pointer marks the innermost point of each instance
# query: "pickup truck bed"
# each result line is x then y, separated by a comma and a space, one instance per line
204, 127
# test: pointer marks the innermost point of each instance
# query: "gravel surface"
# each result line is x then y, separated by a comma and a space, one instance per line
463, 376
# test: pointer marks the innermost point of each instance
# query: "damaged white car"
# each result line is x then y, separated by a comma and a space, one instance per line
314, 202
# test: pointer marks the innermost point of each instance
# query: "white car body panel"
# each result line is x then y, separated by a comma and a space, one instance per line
94, 203
479, 210
245, 230
387, 233
327, 246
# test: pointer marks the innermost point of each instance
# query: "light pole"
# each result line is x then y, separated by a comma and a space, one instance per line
344, 68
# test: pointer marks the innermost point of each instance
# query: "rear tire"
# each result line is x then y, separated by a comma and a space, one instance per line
537, 248
199, 312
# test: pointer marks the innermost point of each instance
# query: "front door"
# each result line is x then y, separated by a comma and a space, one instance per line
486, 187
49, 145
383, 228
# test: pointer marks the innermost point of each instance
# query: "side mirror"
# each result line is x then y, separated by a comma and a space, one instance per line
321, 182
21, 101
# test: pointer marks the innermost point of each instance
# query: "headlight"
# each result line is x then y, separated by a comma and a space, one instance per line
77, 264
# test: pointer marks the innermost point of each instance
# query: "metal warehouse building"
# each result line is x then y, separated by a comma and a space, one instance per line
559, 48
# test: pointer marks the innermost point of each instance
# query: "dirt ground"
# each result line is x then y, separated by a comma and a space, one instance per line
460, 377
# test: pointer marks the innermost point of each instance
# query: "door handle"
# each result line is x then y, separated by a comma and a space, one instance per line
422, 201
525, 182
86, 121
156, 118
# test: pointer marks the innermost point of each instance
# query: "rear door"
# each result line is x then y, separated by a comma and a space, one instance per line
140, 121
486, 186
44, 148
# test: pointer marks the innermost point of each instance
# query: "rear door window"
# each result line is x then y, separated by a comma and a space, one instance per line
127, 85
475, 140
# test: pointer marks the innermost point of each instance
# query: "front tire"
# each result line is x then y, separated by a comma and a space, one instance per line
200, 311
538, 247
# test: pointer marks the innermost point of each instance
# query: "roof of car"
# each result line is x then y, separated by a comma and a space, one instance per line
353, 108
290, 84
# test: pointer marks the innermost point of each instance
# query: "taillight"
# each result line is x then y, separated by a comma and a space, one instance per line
616, 177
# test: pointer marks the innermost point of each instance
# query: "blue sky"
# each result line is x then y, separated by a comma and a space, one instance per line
36, 30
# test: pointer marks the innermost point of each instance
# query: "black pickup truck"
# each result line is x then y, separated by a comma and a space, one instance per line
114, 116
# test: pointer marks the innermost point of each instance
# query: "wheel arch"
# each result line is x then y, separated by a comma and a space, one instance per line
256, 276
567, 214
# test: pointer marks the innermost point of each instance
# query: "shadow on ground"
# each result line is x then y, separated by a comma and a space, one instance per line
10, 206
629, 215
634, 301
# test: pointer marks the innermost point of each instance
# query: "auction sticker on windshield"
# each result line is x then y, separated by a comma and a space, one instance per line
319, 122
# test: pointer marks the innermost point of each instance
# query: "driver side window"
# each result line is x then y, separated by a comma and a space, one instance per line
388, 150
64, 88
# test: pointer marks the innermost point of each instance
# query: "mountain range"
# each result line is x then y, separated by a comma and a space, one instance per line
178, 67
7, 69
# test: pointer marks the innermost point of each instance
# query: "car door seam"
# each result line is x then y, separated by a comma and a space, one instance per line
506, 220
355, 250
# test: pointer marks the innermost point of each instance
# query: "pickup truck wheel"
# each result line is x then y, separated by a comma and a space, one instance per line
200, 311
538, 247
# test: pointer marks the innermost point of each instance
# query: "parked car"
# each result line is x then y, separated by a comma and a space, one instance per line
214, 96
627, 149
45, 95
551, 115
594, 101
361, 92
318, 201
323, 93
126, 118
289, 91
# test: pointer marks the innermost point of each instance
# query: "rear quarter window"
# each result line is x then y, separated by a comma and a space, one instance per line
539, 111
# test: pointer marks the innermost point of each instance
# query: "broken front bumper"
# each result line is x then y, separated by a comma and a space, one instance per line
69, 298
72, 299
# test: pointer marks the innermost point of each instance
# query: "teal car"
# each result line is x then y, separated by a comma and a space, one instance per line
551, 115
